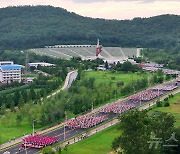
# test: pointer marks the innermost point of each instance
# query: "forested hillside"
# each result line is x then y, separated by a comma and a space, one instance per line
36, 26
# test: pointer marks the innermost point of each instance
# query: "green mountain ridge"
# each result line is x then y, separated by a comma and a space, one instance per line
26, 27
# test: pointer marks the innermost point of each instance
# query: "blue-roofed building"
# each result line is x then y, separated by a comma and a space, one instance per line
10, 73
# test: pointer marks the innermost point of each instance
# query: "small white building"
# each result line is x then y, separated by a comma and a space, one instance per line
10, 73
40, 64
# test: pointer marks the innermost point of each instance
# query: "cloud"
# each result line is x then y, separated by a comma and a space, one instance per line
95, 1
109, 9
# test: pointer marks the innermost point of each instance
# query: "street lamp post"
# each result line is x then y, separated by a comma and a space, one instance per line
92, 105
134, 88
65, 125
115, 93
25, 146
33, 126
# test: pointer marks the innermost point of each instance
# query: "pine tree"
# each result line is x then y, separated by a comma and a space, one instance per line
33, 94
16, 97
25, 95
21, 102
12, 106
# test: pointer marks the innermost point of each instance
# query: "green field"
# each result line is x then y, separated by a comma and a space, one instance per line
107, 76
9, 128
173, 109
99, 143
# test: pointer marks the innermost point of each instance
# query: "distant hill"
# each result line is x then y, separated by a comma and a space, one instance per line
36, 26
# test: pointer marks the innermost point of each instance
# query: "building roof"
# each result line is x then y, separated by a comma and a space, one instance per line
10, 67
40, 63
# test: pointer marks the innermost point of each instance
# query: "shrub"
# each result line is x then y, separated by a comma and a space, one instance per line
166, 99
166, 104
113, 78
159, 104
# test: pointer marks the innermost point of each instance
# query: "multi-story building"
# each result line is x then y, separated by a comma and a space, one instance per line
9, 73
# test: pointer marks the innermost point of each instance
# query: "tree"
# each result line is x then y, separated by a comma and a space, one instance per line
79, 73
32, 94
120, 84
47, 150
106, 65
127, 66
21, 102
136, 127
16, 97
18, 119
9, 101
137, 130
159, 103
3, 109
12, 106
155, 78
166, 103
25, 95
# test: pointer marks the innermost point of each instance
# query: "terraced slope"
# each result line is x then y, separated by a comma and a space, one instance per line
87, 52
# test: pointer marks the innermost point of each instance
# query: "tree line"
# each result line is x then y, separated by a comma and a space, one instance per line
47, 25
169, 57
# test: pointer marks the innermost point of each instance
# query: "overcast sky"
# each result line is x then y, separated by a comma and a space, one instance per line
109, 9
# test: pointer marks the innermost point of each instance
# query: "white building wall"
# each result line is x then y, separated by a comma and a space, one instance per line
1, 78
10, 76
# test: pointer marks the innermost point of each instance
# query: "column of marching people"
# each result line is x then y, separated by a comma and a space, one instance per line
117, 108
86, 121
146, 95
37, 141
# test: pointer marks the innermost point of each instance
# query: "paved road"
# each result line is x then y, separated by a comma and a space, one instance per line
70, 133
72, 77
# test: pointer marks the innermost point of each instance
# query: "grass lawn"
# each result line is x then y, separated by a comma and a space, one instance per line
173, 109
9, 128
99, 143
107, 76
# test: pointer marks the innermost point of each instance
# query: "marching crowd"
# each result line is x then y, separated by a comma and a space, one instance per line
165, 88
85, 121
38, 141
146, 95
151, 69
117, 108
